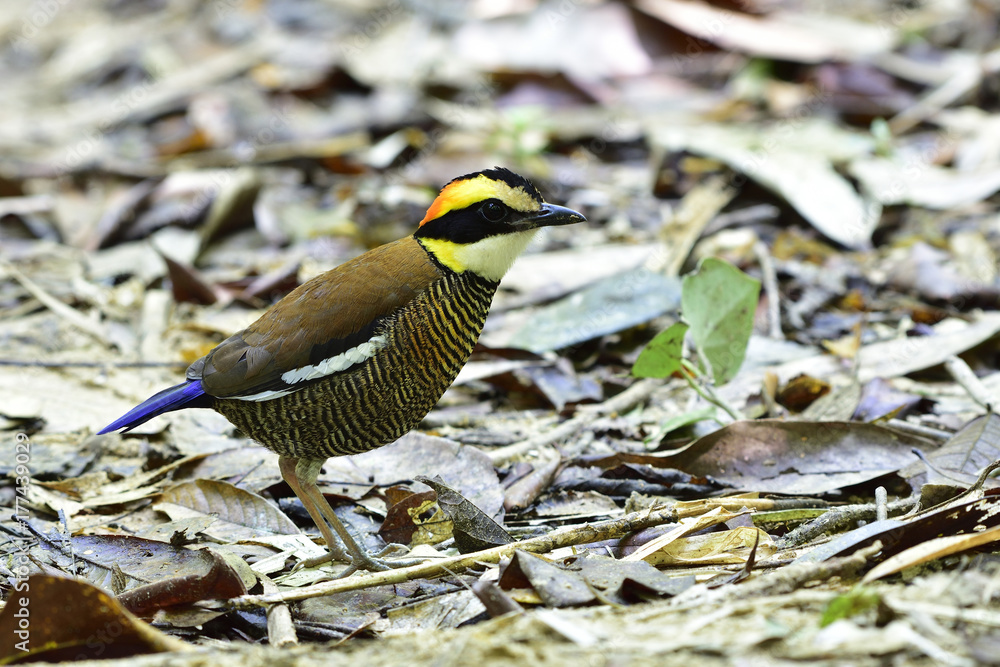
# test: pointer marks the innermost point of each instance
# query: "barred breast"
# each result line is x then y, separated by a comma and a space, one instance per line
376, 402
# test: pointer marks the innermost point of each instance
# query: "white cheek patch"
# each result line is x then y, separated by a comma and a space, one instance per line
492, 257
335, 364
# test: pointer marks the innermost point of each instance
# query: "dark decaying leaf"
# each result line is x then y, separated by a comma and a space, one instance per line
635, 541
585, 579
52, 454
626, 478
965, 454
797, 457
70, 619
897, 534
473, 529
527, 489
445, 607
252, 467
554, 584
147, 574
232, 206
574, 504
273, 284
878, 398
464, 468
187, 285
561, 385
497, 602
629, 581
623, 488
120, 213
342, 614
217, 581
239, 514
417, 512
800, 392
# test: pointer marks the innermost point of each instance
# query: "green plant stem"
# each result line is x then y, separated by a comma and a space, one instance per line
707, 391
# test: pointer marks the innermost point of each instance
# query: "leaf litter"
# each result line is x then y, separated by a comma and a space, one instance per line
797, 476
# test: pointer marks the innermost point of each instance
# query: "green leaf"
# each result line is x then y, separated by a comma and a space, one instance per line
854, 602
662, 357
677, 422
719, 302
609, 305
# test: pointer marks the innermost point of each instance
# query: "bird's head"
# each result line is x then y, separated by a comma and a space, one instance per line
482, 221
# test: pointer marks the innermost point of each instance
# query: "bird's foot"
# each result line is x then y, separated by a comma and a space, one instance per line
362, 561
331, 555
393, 548
375, 562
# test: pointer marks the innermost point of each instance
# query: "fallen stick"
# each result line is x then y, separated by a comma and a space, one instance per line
565, 537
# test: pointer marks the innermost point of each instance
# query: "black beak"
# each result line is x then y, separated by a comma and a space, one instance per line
551, 215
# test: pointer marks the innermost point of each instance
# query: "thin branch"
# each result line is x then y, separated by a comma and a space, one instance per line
707, 392
71, 315
637, 393
565, 537
769, 281
93, 364
966, 378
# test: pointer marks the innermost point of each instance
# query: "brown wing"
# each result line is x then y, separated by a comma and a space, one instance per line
320, 319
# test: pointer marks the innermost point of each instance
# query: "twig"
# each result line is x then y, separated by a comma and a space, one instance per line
769, 280
684, 226
963, 375
834, 520
965, 615
280, 628
779, 582
919, 430
58, 307
637, 393
973, 492
565, 537
954, 87
93, 364
881, 504
708, 392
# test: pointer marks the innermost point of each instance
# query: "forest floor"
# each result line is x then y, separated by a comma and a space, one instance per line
805, 476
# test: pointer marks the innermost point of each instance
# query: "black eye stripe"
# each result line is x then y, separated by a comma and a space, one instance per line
471, 224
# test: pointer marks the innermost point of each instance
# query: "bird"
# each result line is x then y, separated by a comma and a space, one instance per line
356, 357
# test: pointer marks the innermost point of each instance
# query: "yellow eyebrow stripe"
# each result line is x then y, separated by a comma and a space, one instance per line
461, 194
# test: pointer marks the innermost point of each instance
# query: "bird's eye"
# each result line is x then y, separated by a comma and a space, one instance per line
493, 211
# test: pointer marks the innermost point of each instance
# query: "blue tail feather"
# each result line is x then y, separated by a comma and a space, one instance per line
188, 394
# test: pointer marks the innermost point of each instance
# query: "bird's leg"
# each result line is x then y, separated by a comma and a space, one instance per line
295, 472
301, 475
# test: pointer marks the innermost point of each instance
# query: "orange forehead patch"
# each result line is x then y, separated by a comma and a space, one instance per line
459, 194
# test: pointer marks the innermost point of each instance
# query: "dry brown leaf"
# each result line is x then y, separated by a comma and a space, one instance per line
932, 550
724, 548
